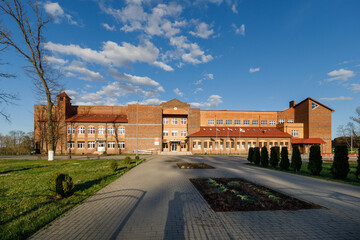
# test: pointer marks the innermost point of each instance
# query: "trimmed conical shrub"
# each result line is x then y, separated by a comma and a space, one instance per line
340, 167
296, 159
274, 156
284, 163
250, 154
264, 157
256, 155
357, 173
315, 160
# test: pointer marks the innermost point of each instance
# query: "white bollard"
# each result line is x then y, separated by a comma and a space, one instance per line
50, 155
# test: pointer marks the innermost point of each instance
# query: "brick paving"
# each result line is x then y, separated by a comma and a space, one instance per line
156, 200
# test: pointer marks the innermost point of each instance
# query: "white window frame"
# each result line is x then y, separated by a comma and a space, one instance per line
246, 122
101, 130
91, 144
272, 122
237, 122
228, 122
243, 145
174, 121
183, 121
165, 146
165, 121
70, 130
81, 130
121, 145
281, 121
264, 122
211, 122
199, 145
290, 120
194, 145
121, 131
165, 133
295, 133
111, 130
71, 145
219, 122
314, 105
183, 133
111, 145
91, 130
255, 122
174, 133
81, 145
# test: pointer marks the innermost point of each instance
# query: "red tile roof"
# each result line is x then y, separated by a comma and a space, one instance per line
266, 132
98, 118
307, 141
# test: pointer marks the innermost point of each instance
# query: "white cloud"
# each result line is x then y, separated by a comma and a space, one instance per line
80, 67
202, 31
207, 76
337, 98
198, 90
341, 74
163, 66
212, 102
107, 27
252, 70
150, 101
239, 30
233, 8
178, 92
210, 76
355, 87
54, 60
132, 79
56, 11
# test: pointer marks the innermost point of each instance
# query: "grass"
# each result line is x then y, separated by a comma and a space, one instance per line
25, 205
324, 174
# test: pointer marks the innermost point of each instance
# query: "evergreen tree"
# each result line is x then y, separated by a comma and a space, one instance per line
296, 159
250, 154
256, 155
264, 158
274, 156
284, 163
340, 167
357, 173
315, 160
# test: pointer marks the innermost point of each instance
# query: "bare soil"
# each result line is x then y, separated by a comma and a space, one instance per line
194, 166
236, 194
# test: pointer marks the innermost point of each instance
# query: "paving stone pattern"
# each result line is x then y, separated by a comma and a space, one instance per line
156, 200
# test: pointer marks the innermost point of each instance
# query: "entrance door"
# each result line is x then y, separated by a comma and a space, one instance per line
174, 147
101, 146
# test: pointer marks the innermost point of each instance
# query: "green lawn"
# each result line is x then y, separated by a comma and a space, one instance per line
25, 205
325, 172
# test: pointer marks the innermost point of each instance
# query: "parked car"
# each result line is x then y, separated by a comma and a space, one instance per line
34, 151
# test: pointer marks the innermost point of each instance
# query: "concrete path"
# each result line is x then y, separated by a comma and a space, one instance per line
157, 201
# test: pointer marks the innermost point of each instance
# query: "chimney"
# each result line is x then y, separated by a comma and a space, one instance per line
291, 104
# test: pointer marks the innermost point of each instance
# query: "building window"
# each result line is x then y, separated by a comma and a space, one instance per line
237, 122
290, 120
232, 145
246, 122
263, 122
295, 133
210, 145
174, 133
165, 133
101, 130
183, 146
228, 122
314, 105
183, 133
91, 144
221, 145
165, 145
243, 145
91, 130
174, 121
254, 144
70, 130
211, 122
281, 121
194, 145
255, 122
227, 145
272, 122
249, 145
80, 145
111, 131
71, 145
205, 145
121, 145
121, 131
183, 121
165, 121
111, 145
216, 145
199, 145
81, 130
219, 122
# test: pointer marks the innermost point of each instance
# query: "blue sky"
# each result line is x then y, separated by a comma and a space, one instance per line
214, 54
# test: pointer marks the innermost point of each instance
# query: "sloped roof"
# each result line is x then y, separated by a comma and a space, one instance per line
263, 132
174, 102
63, 94
309, 98
307, 141
98, 118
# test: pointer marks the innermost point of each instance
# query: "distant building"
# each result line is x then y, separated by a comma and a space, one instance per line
175, 126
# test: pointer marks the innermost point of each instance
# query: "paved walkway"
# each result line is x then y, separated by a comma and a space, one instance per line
157, 201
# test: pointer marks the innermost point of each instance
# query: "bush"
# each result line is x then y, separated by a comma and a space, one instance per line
256, 155
114, 166
60, 184
250, 154
296, 159
357, 173
284, 163
340, 167
137, 158
127, 160
315, 160
274, 156
264, 158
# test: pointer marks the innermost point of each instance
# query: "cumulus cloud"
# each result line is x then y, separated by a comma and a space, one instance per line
178, 92
132, 79
107, 27
86, 74
355, 87
55, 10
202, 31
341, 98
239, 30
150, 101
207, 76
54, 60
212, 102
341, 75
252, 70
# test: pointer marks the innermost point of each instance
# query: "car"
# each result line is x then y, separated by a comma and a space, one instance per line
34, 151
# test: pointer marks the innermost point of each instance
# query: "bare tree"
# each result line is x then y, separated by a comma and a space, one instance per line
357, 119
29, 44
6, 98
